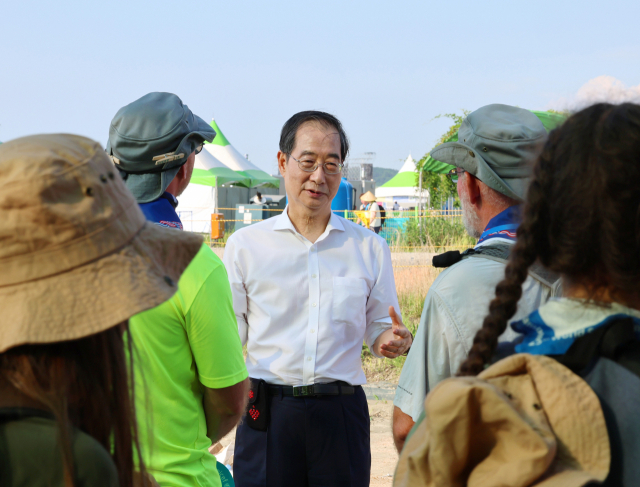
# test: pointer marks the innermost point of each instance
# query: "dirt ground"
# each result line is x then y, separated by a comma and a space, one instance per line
383, 453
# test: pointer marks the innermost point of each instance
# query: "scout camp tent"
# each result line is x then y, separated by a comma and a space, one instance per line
222, 150
200, 199
403, 186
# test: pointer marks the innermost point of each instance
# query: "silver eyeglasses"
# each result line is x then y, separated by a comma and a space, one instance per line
308, 165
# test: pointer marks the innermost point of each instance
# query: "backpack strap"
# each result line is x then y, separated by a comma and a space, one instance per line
498, 252
615, 341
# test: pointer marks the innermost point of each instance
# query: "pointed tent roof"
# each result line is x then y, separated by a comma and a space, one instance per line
222, 150
406, 177
209, 171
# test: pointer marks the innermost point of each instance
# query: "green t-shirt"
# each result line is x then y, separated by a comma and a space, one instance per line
190, 340
30, 454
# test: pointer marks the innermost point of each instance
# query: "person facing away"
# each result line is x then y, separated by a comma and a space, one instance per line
491, 159
581, 221
258, 198
78, 259
308, 287
190, 373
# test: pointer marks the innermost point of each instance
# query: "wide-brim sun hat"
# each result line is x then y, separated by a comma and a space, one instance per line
369, 197
77, 255
151, 138
497, 144
525, 421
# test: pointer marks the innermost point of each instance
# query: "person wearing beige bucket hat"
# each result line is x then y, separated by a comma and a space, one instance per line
578, 358
77, 260
492, 158
191, 372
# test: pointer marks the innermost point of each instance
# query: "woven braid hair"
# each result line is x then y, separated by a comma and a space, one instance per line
581, 217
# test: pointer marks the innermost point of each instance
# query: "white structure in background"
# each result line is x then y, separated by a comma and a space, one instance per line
402, 187
200, 198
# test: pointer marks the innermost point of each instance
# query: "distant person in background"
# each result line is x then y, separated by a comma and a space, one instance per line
396, 206
492, 160
77, 260
258, 199
375, 220
190, 356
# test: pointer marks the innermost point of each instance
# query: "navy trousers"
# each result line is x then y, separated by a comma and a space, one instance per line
316, 441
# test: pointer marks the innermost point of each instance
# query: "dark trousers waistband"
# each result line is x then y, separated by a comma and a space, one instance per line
336, 388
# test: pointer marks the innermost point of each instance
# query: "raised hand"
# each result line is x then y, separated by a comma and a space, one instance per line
403, 339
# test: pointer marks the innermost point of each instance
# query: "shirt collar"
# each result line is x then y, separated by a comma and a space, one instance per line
170, 198
553, 328
283, 222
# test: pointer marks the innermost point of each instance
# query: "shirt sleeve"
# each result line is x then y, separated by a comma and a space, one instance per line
431, 356
381, 297
238, 289
211, 328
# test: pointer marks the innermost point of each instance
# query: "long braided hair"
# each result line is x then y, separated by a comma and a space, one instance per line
581, 217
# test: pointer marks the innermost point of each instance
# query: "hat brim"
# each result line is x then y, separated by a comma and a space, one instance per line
150, 186
97, 296
465, 157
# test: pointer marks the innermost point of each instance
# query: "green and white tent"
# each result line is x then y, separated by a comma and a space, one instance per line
227, 154
200, 199
402, 186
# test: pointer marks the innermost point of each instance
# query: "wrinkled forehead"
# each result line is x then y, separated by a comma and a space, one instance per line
317, 137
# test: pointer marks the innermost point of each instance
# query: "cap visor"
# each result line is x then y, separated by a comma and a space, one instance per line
96, 296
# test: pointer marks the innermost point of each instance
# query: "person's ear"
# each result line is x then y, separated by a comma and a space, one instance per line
473, 188
282, 162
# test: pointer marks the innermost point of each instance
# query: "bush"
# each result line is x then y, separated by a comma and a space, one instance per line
435, 232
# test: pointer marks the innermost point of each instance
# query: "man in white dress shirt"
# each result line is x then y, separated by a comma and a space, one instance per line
308, 288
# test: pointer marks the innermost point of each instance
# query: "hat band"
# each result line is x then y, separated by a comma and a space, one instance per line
74, 253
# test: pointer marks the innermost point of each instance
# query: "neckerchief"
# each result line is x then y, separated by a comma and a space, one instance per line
163, 211
553, 328
503, 225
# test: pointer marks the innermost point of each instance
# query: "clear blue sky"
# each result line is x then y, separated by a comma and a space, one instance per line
384, 68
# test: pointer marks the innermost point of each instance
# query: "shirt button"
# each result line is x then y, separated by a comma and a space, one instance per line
313, 275
312, 330
314, 305
308, 359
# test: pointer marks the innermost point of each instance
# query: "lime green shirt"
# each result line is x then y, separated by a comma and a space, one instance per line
186, 342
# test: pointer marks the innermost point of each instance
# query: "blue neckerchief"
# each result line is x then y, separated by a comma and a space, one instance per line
163, 211
503, 225
553, 328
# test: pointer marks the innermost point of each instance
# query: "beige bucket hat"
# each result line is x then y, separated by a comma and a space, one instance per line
368, 197
77, 256
526, 420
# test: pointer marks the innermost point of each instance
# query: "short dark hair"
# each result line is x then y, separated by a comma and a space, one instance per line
290, 129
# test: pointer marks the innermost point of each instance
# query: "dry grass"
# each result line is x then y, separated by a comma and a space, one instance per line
412, 284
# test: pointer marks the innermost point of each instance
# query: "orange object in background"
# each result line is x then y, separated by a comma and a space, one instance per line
217, 225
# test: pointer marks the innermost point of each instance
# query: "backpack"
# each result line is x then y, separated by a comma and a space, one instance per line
383, 213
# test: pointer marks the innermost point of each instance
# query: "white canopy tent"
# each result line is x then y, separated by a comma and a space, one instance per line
402, 187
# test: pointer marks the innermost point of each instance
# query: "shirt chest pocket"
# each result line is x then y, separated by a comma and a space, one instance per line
349, 301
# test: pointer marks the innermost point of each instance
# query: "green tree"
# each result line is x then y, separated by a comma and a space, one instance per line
439, 185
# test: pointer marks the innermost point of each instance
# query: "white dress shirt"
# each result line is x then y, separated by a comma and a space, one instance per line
304, 308
454, 309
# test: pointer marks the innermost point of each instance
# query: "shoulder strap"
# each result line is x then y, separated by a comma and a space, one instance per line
498, 252
615, 341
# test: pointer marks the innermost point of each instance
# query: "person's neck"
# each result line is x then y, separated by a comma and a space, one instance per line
11, 397
309, 224
488, 212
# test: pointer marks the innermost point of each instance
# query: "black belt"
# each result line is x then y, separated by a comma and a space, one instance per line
330, 389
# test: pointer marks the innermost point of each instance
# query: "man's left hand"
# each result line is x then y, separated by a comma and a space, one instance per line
402, 337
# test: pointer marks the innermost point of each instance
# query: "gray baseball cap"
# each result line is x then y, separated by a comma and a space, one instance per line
150, 139
497, 144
